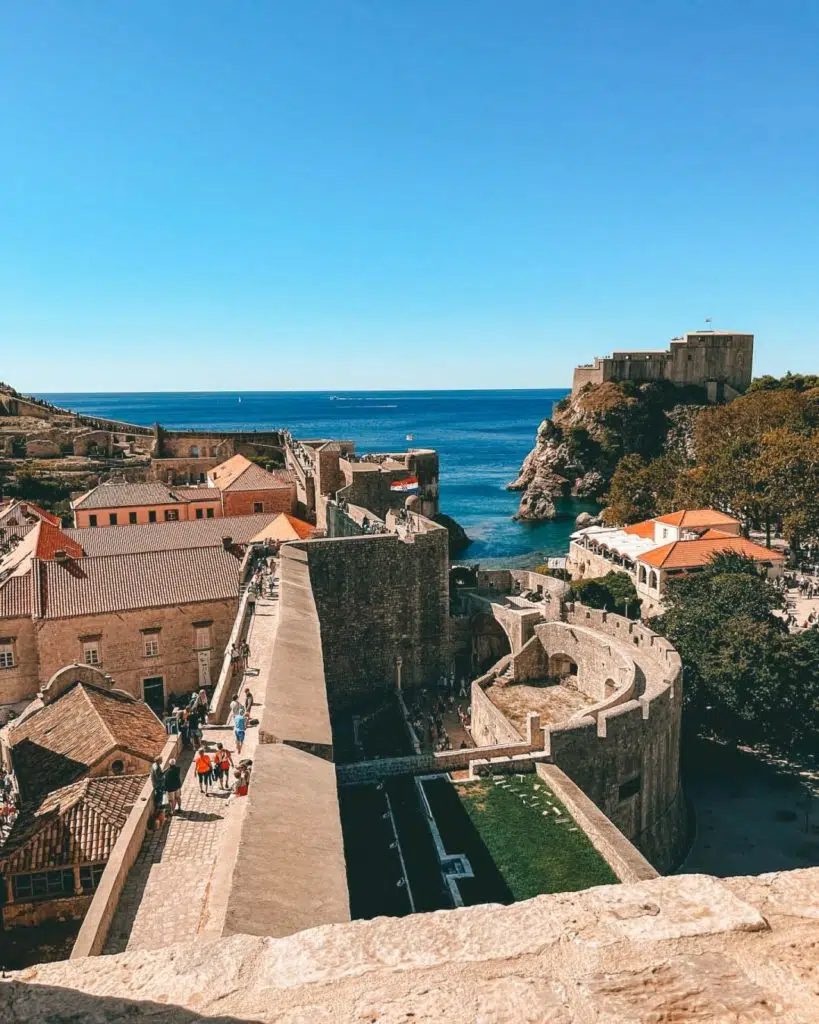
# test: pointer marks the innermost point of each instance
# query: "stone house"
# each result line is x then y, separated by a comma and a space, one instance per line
237, 487
152, 605
80, 753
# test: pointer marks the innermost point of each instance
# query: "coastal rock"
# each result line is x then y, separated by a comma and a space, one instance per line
587, 519
577, 450
458, 539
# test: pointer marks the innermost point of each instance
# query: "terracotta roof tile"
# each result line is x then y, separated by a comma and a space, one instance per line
286, 527
63, 739
121, 495
50, 540
644, 529
689, 554
76, 824
147, 579
195, 533
15, 598
696, 517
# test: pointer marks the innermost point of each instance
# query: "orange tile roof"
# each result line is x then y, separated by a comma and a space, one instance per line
286, 527
689, 554
50, 540
240, 474
644, 529
78, 823
696, 517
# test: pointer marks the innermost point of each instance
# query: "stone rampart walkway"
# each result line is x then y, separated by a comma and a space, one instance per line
166, 897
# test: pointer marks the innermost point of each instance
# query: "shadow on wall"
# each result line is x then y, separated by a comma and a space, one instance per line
21, 1004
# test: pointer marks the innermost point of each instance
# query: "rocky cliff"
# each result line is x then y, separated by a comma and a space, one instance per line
687, 949
577, 450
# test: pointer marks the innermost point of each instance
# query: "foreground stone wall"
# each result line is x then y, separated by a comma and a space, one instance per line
689, 949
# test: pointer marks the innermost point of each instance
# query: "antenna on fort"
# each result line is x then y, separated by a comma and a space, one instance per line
709, 321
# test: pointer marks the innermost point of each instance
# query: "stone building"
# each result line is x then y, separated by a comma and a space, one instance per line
153, 604
237, 487
720, 361
656, 550
80, 754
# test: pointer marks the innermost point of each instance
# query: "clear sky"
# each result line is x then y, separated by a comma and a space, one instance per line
239, 194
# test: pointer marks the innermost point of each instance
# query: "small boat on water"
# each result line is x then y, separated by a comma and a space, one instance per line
240, 400
410, 437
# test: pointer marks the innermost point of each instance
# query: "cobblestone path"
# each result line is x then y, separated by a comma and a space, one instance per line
166, 896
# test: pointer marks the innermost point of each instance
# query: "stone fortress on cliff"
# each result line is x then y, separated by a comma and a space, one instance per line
719, 361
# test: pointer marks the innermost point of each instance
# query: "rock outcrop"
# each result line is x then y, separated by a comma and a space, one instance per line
458, 539
689, 949
577, 450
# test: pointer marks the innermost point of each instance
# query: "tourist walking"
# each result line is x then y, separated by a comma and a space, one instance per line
235, 707
239, 726
173, 786
248, 703
204, 772
222, 763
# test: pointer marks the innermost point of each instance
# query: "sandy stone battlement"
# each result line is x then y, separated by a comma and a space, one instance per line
688, 948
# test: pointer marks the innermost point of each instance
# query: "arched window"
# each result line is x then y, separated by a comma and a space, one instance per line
652, 580
641, 574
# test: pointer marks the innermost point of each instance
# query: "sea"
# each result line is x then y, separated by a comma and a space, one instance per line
482, 438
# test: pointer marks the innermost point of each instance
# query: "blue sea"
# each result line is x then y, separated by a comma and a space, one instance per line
482, 438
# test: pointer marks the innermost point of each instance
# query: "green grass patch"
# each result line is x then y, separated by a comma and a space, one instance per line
534, 852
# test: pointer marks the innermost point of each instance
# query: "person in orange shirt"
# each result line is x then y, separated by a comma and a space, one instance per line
203, 771
222, 763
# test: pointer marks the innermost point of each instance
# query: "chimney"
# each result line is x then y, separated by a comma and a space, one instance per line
227, 543
61, 556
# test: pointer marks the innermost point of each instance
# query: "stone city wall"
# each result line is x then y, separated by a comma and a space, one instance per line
602, 667
490, 727
627, 761
379, 598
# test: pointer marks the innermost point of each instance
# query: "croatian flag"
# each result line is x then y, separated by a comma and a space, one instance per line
406, 486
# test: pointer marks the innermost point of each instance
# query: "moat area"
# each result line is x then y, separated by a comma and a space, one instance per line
482, 438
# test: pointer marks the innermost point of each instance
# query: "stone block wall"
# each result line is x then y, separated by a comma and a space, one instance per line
490, 727
627, 761
379, 598
121, 644
241, 503
21, 682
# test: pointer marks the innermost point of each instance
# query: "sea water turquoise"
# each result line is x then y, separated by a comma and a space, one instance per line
482, 438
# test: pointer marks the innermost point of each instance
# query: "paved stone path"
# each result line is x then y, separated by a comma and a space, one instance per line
165, 899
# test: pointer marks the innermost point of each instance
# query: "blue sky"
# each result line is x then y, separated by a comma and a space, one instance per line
335, 194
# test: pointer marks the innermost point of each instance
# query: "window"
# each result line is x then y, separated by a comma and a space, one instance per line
117, 767
209, 513
6, 654
91, 652
40, 884
153, 693
152, 515
92, 520
112, 519
630, 788
258, 506
200, 513
151, 643
202, 638
90, 877
171, 515
132, 517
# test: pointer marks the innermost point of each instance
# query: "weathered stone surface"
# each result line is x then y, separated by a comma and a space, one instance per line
677, 950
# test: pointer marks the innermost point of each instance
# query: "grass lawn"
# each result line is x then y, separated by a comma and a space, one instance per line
533, 852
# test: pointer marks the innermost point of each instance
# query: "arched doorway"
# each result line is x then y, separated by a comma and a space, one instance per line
489, 643
561, 666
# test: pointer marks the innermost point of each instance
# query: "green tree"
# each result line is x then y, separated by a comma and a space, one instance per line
746, 679
614, 592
